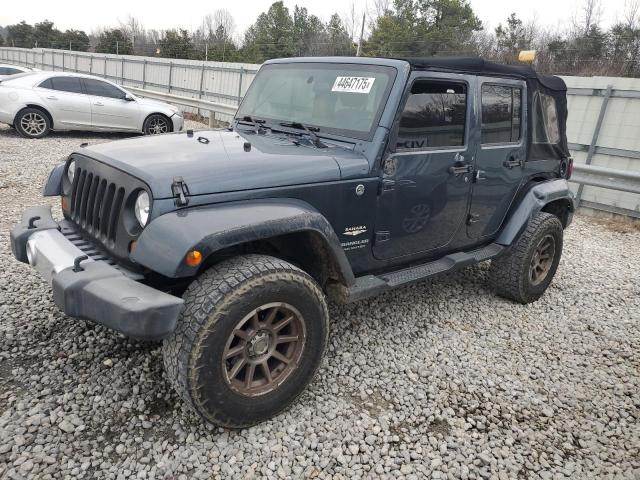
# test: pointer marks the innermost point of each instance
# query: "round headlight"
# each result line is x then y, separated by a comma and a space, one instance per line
142, 208
71, 170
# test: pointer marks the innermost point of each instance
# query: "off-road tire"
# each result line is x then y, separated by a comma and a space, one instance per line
509, 274
42, 118
214, 303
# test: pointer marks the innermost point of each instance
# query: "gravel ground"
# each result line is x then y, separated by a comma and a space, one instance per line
439, 379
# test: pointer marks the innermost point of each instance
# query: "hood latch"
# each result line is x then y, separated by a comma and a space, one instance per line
180, 191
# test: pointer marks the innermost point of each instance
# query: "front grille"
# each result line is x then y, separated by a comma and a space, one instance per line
95, 205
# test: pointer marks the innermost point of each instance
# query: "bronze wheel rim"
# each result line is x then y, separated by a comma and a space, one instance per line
264, 348
542, 259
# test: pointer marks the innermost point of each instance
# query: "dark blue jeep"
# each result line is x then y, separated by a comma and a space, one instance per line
339, 178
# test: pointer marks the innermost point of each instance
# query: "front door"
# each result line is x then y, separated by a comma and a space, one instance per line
109, 107
426, 179
501, 155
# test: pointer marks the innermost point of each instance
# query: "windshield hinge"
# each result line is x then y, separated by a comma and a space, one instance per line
180, 191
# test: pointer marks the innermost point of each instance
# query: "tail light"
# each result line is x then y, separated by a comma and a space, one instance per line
569, 168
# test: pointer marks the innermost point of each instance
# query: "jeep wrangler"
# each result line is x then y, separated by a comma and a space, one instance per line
338, 178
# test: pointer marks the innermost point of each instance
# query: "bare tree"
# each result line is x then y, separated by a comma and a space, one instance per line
588, 16
218, 27
134, 30
631, 15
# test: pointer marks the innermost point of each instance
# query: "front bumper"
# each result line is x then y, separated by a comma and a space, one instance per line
178, 122
88, 289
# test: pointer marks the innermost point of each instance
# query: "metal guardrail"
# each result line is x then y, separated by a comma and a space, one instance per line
604, 177
212, 107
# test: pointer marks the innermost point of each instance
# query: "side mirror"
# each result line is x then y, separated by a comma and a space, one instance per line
129, 98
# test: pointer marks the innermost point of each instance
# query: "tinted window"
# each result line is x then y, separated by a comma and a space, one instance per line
102, 89
9, 71
46, 84
434, 116
501, 114
545, 120
65, 84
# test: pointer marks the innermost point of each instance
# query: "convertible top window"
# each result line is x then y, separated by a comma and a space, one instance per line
345, 99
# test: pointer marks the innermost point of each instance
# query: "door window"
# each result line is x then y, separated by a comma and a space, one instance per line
63, 84
434, 116
501, 114
102, 89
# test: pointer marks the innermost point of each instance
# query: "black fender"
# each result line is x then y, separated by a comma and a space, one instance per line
53, 187
166, 240
532, 202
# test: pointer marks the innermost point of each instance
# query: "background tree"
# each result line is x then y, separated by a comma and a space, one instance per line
75, 40
271, 35
114, 41
176, 44
20, 35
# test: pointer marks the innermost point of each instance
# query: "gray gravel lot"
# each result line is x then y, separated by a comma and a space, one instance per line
439, 379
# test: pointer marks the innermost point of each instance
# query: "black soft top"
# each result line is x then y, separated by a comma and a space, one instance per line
536, 83
480, 66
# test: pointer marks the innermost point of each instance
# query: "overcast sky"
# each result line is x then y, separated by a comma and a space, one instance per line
163, 14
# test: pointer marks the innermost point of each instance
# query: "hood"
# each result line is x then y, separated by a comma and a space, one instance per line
216, 161
155, 103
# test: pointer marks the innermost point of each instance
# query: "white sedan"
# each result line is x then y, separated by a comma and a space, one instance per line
7, 69
38, 102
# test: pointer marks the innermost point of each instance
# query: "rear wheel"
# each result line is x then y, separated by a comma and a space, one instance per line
527, 269
250, 339
156, 124
32, 123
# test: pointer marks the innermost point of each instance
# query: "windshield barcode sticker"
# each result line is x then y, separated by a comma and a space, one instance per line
353, 84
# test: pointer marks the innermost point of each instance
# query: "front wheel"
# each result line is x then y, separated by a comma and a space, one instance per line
156, 124
250, 339
526, 270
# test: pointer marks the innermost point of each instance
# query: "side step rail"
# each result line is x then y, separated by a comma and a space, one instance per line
370, 285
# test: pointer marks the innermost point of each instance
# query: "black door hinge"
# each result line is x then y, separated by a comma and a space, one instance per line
180, 191
473, 218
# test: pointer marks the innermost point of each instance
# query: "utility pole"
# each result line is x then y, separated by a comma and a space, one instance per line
69, 45
206, 52
361, 35
117, 48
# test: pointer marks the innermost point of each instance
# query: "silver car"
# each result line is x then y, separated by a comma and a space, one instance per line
39, 102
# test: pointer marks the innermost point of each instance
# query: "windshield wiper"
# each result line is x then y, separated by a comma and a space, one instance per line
257, 123
310, 131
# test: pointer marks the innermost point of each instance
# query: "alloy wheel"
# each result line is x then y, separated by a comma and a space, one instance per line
33, 124
542, 259
264, 349
158, 126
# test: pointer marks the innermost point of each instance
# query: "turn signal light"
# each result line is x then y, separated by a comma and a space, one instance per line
64, 202
193, 258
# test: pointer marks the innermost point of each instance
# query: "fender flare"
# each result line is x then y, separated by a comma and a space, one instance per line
533, 202
53, 187
164, 243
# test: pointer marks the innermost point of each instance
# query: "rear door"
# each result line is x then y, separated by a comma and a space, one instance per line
66, 101
109, 107
426, 181
500, 157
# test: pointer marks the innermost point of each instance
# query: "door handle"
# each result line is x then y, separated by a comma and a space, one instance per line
459, 168
51, 97
512, 161
99, 104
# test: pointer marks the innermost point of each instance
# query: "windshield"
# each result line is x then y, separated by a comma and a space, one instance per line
344, 99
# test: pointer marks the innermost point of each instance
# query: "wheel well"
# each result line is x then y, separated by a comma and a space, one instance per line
169, 122
307, 250
37, 107
560, 208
